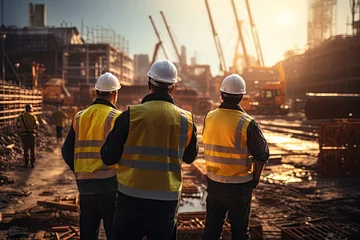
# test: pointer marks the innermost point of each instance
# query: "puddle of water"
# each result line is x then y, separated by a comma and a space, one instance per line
286, 173
286, 142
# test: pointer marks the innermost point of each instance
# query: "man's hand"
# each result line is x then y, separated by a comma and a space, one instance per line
257, 172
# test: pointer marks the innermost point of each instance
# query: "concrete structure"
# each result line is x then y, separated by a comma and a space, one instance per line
183, 55
141, 67
37, 15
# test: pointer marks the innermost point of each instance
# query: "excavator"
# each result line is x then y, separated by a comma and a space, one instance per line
265, 85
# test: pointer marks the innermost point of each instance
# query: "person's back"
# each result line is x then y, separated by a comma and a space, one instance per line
158, 135
149, 142
96, 182
59, 118
28, 125
235, 151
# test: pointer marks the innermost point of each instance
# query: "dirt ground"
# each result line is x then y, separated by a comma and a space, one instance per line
291, 191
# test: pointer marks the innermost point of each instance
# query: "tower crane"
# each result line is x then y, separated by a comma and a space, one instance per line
255, 36
172, 39
159, 43
217, 41
241, 38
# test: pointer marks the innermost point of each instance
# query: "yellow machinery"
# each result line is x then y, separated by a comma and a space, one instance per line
271, 97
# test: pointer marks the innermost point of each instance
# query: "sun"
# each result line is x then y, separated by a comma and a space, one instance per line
284, 19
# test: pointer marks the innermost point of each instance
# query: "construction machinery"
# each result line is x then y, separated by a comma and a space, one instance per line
158, 44
266, 86
218, 46
191, 93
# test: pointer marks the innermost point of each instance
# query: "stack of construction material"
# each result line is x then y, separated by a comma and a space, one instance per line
13, 100
339, 143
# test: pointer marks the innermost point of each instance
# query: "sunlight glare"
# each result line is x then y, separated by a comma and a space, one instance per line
284, 19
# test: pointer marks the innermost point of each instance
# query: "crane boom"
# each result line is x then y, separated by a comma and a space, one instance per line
172, 39
241, 38
158, 36
217, 41
255, 36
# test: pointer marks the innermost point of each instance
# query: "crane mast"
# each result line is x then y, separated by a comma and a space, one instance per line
217, 41
241, 38
172, 39
158, 36
255, 36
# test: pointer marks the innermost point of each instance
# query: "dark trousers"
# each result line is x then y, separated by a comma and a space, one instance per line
59, 133
93, 208
28, 142
136, 218
239, 212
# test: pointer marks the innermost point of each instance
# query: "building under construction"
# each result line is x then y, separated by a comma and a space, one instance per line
310, 187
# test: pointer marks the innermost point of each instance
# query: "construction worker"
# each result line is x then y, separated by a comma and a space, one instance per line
235, 152
96, 182
149, 142
59, 118
28, 123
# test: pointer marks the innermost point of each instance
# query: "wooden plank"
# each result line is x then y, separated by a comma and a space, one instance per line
65, 233
63, 206
60, 228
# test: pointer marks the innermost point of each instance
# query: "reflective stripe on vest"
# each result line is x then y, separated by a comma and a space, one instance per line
231, 163
87, 158
150, 166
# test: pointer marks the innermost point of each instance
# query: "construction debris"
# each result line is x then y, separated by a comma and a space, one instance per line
62, 203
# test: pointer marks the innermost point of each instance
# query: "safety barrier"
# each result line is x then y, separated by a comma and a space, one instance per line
339, 143
13, 100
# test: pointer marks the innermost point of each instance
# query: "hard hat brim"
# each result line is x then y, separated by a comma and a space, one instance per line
235, 93
166, 81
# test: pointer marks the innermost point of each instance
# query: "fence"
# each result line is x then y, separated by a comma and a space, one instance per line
339, 143
13, 100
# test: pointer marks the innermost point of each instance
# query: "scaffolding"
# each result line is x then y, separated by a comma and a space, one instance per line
322, 21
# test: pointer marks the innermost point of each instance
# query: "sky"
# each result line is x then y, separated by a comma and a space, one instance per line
281, 24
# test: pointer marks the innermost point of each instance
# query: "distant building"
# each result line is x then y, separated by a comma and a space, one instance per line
193, 61
37, 15
64, 54
141, 67
183, 55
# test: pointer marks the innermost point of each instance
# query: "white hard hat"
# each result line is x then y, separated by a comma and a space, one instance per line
163, 71
233, 84
107, 82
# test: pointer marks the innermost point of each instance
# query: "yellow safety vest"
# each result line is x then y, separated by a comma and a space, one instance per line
225, 146
59, 118
91, 127
28, 123
150, 166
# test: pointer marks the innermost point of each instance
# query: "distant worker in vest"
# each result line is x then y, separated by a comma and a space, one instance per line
28, 123
149, 143
235, 152
59, 118
96, 182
